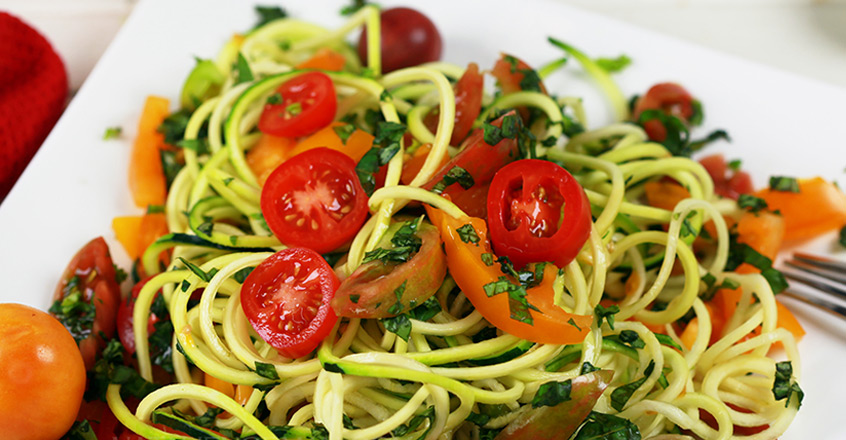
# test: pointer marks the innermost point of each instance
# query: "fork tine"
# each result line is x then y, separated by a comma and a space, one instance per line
819, 282
823, 271
820, 261
828, 306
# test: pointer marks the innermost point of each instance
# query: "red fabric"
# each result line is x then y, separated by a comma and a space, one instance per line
33, 91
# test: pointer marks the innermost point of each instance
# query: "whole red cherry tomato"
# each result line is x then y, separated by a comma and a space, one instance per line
314, 200
306, 104
87, 298
407, 37
286, 299
537, 212
670, 98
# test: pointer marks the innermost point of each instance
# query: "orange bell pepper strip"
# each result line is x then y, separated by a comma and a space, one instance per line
414, 162
762, 231
267, 154
664, 194
818, 207
550, 323
126, 231
137, 233
356, 144
324, 59
146, 176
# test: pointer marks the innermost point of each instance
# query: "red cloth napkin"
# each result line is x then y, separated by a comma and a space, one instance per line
33, 91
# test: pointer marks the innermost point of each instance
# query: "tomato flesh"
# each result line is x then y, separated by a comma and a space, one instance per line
727, 183
537, 212
670, 98
125, 320
286, 299
314, 200
308, 103
93, 272
407, 38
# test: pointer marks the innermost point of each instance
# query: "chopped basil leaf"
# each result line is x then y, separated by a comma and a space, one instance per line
120, 274
75, 314
751, 203
599, 426
518, 305
173, 126
488, 258
588, 367
242, 70
268, 14
621, 395
267, 371
294, 108
628, 338
275, 98
406, 244
110, 369
606, 313
698, 144
160, 341
355, 298
573, 323
784, 387
388, 136
112, 133
397, 307
478, 419
200, 273
668, 341
80, 430
416, 422
467, 234
344, 131
842, 240
784, 184
457, 175
243, 273
552, 393
400, 325
735, 164
740, 253
354, 7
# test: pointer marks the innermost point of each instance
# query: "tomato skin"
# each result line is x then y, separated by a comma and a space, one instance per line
43, 375
727, 183
374, 283
552, 325
670, 98
96, 273
315, 200
286, 299
125, 320
524, 211
509, 73
407, 37
481, 161
468, 105
314, 92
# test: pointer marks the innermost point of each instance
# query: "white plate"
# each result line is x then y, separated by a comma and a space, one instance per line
780, 124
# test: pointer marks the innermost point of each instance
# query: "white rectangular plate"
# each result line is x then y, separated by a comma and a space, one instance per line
779, 124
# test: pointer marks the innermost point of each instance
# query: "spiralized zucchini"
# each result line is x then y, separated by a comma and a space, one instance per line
364, 382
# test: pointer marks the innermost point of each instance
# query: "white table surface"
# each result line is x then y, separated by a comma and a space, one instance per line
807, 37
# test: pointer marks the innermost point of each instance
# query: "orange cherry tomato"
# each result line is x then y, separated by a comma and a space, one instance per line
42, 378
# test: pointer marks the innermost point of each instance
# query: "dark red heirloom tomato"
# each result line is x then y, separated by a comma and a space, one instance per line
308, 103
670, 98
88, 280
407, 37
314, 200
537, 212
286, 299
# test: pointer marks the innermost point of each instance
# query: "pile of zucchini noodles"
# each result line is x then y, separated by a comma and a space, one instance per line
386, 381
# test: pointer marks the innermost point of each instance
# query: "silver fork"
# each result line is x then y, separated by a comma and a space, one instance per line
826, 278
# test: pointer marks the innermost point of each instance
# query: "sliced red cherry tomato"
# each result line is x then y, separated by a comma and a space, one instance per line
308, 103
407, 37
670, 98
537, 212
481, 161
371, 290
514, 75
125, 319
727, 182
314, 200
468, 105
467, 264
286, 299
88, 280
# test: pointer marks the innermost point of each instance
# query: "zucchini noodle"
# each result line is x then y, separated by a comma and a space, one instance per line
364, 382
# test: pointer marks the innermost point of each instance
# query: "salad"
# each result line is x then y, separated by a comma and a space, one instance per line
345, 242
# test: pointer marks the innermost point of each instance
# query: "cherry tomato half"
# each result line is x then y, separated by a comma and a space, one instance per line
468, 105
481, 161
314, 200
43, 375
407, 37
286, 299
670, 98
125, 320
88, 280
537, 212
308, 103
514, 75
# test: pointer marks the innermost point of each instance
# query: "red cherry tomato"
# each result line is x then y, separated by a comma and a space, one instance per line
537, 212
408, 38
308, 104
125, 319
468, 105
314, 200
481, 161
286, 299
511, 76
727, 182
670, 98
90, 279
103, 422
